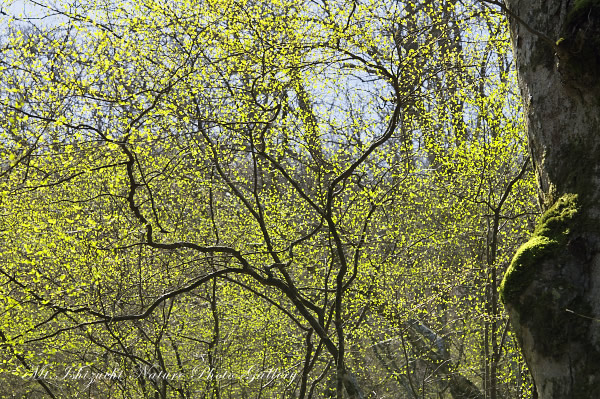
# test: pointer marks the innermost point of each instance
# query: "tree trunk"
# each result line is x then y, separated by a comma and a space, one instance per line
552, 288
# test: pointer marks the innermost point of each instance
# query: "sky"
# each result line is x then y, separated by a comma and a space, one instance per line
23, 9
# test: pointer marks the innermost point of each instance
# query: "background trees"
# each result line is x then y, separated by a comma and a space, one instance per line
216, 199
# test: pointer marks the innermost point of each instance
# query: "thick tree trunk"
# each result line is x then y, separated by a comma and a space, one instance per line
552, 288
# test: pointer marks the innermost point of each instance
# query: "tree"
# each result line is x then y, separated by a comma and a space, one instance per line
551, 289
300, 187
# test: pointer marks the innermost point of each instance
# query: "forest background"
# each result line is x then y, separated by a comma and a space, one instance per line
282, 199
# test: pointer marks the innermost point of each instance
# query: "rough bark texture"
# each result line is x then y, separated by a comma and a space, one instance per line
552, 289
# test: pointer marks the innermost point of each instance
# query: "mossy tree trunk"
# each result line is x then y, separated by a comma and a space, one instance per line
552, 289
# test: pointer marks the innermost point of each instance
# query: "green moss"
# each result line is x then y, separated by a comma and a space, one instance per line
522, 268
548, 238
555, 221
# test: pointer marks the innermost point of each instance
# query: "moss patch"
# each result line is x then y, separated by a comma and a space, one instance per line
548, 238
555, 221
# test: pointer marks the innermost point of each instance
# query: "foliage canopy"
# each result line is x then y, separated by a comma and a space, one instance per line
214, 189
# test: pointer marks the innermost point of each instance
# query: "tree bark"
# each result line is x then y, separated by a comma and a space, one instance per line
552, 288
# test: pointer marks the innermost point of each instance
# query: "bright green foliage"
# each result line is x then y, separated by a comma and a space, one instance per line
243, 187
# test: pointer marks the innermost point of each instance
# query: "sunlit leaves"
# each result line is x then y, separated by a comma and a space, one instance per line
231, 178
